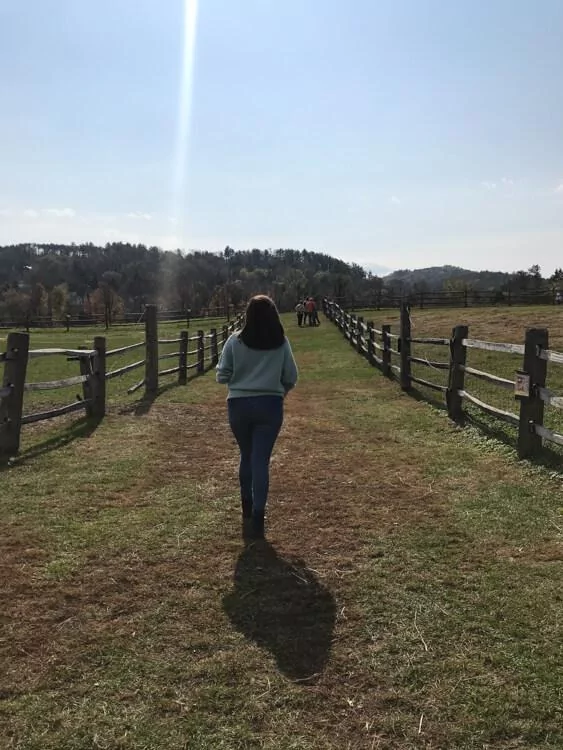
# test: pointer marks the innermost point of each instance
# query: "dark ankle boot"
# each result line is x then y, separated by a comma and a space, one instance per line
247, 529
258, 524
246, 518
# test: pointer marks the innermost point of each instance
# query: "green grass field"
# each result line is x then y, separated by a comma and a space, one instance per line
57, 367
409, 595
489, 324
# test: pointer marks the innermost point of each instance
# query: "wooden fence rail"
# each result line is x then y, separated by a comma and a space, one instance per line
94, 375
528, 385
123, 349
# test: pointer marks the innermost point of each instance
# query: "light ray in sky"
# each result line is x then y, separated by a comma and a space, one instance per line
185, 99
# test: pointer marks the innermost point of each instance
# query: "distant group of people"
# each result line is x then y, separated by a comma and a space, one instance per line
307, 313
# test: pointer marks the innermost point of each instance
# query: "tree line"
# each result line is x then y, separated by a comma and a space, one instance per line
86, 281
51, 281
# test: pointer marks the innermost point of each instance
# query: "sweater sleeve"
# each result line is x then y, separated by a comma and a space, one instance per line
289, 370
224, 369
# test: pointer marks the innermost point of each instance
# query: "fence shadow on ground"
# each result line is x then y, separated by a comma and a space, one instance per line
281, 606
145, 403
549, 458
82, 428
433, 400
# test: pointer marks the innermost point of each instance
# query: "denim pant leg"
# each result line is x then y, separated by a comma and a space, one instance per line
269, 419
241, 426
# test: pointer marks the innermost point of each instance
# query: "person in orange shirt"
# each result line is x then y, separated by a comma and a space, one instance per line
310, 310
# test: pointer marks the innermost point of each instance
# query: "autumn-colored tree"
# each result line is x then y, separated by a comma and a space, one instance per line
59, 298
105, 300
14, 306
38, 301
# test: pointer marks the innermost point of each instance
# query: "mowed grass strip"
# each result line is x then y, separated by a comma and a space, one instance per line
409, 597
498, 324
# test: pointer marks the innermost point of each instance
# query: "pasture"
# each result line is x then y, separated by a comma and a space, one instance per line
409, 595
59, 367
490, 324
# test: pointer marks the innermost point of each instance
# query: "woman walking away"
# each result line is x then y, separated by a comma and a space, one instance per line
259, 368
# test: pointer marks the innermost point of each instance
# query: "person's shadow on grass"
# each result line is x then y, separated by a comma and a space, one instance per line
282, 607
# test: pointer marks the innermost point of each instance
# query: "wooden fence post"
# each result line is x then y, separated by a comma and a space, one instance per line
369, 339
386, 352
183, 362
225, 334
405, 340
532, 408
11, 406
151, 350
200, 352
359, 321
456, 382
214, 348
352, 328
86, 370
98, 379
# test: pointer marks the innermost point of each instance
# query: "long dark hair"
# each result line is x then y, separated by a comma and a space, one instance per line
262, 325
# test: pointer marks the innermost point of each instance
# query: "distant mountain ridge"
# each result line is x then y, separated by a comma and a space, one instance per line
435, 277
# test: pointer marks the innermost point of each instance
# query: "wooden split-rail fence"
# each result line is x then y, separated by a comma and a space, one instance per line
379, 346
94, 373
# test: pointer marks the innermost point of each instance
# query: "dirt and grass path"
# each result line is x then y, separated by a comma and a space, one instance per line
409, 596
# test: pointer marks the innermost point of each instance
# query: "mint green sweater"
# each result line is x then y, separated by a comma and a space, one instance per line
256, 372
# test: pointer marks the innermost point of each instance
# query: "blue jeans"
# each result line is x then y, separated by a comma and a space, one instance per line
256, 422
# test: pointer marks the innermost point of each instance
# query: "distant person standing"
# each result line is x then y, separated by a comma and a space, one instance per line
305, 313
258, 366
310, 310
316, 320
300, 310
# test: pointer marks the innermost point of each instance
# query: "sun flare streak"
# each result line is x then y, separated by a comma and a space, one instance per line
185, 100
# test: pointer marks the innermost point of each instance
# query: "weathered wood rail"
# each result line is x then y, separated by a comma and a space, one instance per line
94, 373
528, 386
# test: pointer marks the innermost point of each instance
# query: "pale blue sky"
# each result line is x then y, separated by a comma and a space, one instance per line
400, 133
